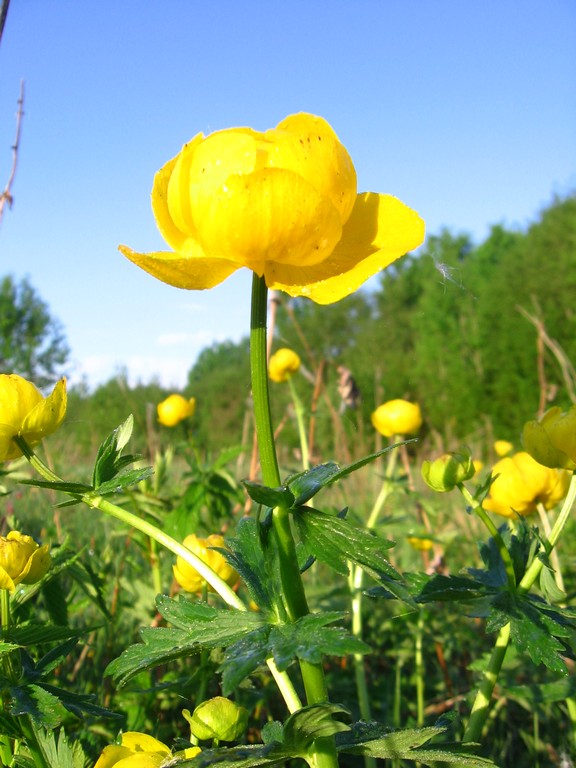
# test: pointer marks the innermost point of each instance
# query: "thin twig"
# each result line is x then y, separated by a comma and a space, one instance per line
6, 196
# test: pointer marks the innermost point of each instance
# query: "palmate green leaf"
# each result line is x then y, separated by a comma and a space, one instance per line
44, 708
80, 704
337, 542
57, 751
198, 627
534, 628
310, 638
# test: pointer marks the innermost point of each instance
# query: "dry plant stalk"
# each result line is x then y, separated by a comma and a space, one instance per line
6, 196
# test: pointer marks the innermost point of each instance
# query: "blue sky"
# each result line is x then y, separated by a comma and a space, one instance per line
465, 110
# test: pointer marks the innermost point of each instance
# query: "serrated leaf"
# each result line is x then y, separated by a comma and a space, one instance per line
244, 657
119, 482
35, 634
310, 638
248, 756
450, 588
273, 731
44, 708
202, 628
534, 628
57, 751
255, 566
337, 542
82, 704
76, 489
269, 497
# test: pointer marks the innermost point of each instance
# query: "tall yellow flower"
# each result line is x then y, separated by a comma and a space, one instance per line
283, 203
24, 412
283, 364
397, 417
522, 483
189, 578
175, 409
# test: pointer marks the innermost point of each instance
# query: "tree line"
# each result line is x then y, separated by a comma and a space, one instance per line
480, 335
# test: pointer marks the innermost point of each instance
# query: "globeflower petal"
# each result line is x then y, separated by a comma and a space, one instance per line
380, 230
46, 416
195, 273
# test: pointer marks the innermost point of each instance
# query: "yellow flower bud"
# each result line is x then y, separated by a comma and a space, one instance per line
189, 578
24, 412
502, 448
397, 417
444, 473
281, 202
137, 750
283, 364
175, 409
219, 719
22, 560
521, 483
552, 440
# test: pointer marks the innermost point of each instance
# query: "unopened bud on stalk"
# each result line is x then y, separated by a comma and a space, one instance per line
444, 474
219, 719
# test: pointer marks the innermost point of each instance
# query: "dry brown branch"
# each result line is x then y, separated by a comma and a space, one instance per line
6, 196
566, 367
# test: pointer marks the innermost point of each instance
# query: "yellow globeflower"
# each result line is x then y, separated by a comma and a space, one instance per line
189, 578
502, 448
552, 440
522, 483
283, 203
138, 750
283, 364
420, 543
397, 417
24, 412
22, 560
175, 409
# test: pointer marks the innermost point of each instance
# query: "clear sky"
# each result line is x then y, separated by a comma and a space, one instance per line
465, 109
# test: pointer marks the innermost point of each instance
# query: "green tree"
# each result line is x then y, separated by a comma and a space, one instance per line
32, 342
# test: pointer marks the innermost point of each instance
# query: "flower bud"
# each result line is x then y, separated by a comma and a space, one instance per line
219, 719
175, 409
283, 364
397, 417
189, 578
444, 474
552, 439
22, 560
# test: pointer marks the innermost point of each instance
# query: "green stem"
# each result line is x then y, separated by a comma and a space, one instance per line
419, 669
323, 751
299, 408
480, 512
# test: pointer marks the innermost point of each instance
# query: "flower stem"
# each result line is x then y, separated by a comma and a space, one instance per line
299, 408
324, 752
480, 512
